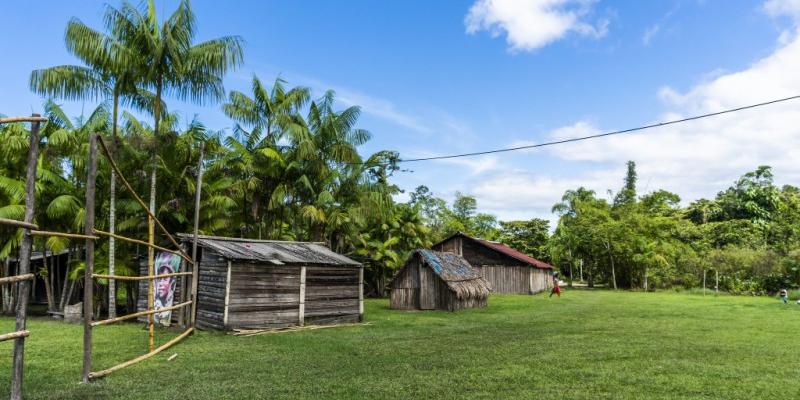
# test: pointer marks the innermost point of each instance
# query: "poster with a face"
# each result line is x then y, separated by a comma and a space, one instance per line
166, 263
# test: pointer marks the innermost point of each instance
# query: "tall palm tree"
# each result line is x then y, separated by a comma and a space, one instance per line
111, 70
175, 65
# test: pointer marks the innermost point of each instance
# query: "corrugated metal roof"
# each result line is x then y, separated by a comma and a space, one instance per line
503, 249
272, 251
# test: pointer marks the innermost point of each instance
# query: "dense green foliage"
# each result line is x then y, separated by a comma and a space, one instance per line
585, 345
750, 234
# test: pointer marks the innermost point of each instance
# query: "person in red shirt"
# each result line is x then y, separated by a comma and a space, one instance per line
556, 286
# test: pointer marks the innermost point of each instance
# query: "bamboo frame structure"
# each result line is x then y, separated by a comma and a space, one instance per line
100, 374
26, 247
18, 224
14, 335
139, 314
141, 242
139, 278
16, 278
137, 198
150, 278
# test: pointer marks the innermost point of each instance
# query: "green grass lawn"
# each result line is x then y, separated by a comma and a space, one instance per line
586, 345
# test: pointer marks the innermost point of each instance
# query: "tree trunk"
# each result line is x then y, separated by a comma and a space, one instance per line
48, 280
613, 271
7, 306
65, 285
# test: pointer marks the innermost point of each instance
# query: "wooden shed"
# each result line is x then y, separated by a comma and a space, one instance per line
507, 270
433, 280
245, 283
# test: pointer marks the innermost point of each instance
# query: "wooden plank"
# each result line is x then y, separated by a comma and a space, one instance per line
361, 293
14, 335
227, 295
100, 374
301, 311
16, 278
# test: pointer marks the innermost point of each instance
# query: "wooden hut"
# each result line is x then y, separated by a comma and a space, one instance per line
245, 283
507, 270
434, 280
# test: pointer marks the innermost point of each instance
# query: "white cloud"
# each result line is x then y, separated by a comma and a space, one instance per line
778, 8
650, 33
699, 158
532, 24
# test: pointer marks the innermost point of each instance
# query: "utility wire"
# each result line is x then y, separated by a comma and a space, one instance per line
578, 139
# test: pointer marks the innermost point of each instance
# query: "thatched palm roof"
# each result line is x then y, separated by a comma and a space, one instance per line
455, 271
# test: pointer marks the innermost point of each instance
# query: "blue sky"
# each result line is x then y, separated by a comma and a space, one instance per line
459, 76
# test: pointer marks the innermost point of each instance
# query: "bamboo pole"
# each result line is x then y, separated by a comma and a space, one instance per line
140, 314
14, 335
18, 224
136, 196
16, 278
25, 258
88, 283
64, 235
139, 278
141, 242
151, 323
196, 267
34, 118
100, 374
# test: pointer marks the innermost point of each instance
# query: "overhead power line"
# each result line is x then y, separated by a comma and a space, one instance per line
578, 139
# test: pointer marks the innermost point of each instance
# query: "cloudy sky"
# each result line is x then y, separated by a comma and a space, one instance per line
446, 77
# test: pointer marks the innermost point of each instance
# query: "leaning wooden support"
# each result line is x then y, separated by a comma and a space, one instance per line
18, 224
34, 118
254, 332
65, 235
140, 314
137, 198
25, 250
100, 374
14, 335
139, 278
88, 282
141, 243
195, 266
16, 278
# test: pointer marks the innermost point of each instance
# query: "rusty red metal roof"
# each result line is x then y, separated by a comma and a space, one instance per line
515, 254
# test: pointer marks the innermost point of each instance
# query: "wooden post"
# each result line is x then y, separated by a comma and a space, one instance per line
530, 280
195, 265
361, 293
716, 286
704, 282
88, 281
227, 296
151, 324
301, 316
25, 263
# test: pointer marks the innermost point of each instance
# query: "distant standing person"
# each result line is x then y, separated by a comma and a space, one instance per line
556, 286
784, 296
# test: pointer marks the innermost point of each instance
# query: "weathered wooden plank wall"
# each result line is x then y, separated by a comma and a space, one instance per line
542, 280
332, 295
405, 289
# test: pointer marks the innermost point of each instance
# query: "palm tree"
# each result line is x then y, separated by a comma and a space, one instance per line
111, 70
175, 65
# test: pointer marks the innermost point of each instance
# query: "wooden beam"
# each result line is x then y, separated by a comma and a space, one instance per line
137, 198
88, 283
34, 118
227, 296
100, 374
64, 235
18, 224
16, 278
302, 311
26, 247
14, 335
138, 278
361, 293
141, 242
140, 314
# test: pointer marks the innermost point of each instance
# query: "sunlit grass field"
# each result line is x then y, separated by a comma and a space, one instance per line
585, 345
